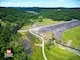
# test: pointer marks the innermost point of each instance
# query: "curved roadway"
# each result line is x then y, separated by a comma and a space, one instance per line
42, 45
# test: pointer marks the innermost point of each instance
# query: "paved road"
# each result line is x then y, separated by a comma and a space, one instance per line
42, 45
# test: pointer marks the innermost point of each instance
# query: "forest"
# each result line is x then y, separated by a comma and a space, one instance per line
55, 13
65, 14
10, 21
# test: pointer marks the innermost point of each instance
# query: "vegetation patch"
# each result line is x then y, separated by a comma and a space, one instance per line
47, 21
34, 38
55, 53
60, 14
37, 53
36, 22
25, 27
74, 35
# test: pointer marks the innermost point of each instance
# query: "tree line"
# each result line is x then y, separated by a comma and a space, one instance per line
60, 14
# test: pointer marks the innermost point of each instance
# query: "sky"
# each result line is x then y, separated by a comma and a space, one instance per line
40, 3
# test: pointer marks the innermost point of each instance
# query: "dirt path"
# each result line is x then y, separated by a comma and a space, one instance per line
69, 43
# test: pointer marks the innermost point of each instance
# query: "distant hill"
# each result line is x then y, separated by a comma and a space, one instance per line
38, 9
58, 13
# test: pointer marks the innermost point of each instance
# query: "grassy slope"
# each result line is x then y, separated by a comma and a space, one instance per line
74, 35
55, 53
34, 38
47, 22
44, 22
26, 27
37, 53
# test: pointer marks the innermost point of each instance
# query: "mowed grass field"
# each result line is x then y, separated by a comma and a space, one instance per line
56, 53
37, 53
74, 35
46, 22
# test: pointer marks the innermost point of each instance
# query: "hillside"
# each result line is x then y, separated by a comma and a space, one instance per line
58, 14
10, 21
61, 14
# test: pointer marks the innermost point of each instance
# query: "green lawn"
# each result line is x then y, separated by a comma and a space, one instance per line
74, 35
47, 22
26, 27
56, 53
37, 53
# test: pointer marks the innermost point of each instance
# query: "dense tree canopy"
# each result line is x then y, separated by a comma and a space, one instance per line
61, 14
10, 21
13, 15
